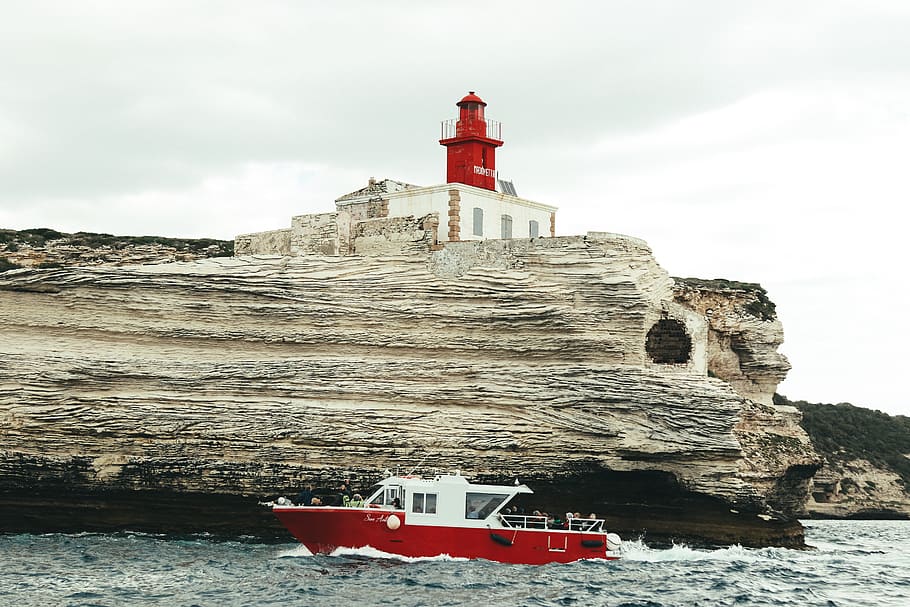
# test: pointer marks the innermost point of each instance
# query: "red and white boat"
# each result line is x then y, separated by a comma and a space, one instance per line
447, 515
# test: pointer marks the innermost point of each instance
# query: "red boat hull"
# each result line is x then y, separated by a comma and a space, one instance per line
322, 530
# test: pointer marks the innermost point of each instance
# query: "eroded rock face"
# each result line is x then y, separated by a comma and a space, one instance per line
857, 488
529, 359
743, 336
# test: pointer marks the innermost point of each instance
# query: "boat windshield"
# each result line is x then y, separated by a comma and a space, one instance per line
482, 505
386, 496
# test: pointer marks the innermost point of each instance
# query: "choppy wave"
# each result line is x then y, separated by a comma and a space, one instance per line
638, 550
853, 563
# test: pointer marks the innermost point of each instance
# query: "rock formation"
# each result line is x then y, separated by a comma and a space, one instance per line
174, 397
866, 461
858, 488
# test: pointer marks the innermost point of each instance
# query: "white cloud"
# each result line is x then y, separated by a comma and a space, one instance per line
759, 142
255, 197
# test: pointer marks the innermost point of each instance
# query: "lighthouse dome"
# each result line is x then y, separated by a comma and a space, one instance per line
471, 98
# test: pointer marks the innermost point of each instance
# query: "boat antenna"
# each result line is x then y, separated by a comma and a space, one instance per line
418, 464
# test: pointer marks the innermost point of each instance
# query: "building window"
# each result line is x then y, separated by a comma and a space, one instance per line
533, 229
507, 226
424, 503
478, 221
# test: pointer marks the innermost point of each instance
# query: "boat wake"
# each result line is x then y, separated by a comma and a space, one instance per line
637, 550
373, 553
297, 551
633, 550
368, 552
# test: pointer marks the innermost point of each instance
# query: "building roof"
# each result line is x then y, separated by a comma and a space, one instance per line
375, 189
471, 98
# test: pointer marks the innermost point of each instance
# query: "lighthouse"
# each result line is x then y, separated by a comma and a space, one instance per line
390, 217
471, 143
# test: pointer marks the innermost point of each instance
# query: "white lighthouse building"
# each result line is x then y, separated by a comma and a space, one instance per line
389, 216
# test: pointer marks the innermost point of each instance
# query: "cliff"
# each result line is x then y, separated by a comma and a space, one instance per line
174, 397
866, 455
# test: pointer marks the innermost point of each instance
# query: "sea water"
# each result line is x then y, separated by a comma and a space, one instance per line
852, 563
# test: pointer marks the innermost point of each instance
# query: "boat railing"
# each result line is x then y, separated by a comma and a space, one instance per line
586, 524
521, 521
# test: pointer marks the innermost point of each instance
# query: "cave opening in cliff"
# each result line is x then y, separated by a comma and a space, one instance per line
668, 342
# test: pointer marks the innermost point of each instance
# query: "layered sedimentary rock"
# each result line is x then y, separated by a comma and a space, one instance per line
570, 363
743, 334
858, 488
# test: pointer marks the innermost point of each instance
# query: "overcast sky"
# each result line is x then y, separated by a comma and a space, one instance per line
763, 141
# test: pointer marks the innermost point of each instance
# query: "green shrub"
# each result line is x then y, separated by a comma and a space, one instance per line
760, 306
37, 237
45, 233
844, 432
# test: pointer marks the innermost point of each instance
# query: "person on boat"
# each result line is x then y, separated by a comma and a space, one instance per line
356, 501
315, 502
305, 496
396, 504
345, 492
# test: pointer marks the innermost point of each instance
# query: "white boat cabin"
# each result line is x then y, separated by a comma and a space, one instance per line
449, 500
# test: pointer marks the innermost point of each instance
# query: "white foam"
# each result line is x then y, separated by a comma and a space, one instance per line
370, 552
296, 551
637, 550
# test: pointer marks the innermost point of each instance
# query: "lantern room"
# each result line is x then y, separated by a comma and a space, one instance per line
471, 141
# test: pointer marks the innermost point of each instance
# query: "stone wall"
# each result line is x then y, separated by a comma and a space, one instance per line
337, 233
274, 242
396, 235
314, 234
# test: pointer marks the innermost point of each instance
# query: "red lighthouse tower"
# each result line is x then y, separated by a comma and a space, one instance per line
471, 144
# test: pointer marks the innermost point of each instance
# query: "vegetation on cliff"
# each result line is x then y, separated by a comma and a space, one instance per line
48, 248
760, 305
843, 432
38, 237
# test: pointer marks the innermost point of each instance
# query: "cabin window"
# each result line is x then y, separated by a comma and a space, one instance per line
533, 229
424, 503
387, 496
507, 226
478, 221
482, 505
